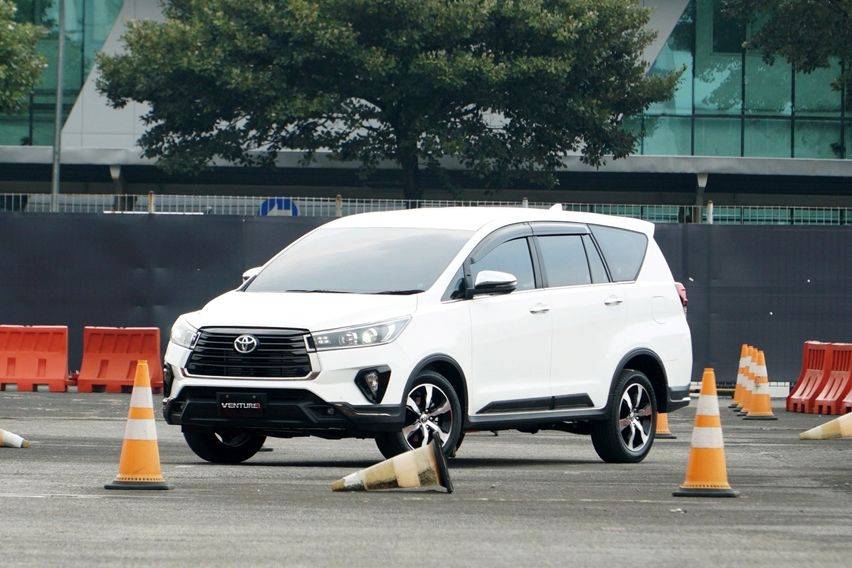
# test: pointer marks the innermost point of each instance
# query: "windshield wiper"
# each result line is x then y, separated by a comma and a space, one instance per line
400, 292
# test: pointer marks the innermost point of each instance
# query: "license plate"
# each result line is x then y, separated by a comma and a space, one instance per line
241, 404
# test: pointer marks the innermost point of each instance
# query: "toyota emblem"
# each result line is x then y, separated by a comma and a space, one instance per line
245, 344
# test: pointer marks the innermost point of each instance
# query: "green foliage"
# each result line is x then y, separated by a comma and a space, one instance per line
809, 33
20, 64
504, 86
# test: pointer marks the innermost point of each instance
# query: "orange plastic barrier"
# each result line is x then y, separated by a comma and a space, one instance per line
110, 355
34, 355
847, 402
812, 378
838, 380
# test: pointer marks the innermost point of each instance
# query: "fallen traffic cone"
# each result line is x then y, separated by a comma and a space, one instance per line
139, 466
706, 472
12, 440
423, 467
662, 431
837, 428
741, 377
748, 387
761, 403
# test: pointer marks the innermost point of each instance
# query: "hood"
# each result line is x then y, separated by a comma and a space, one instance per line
313, 312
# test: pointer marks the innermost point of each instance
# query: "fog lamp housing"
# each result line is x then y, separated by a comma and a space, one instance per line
373, 382
168, 379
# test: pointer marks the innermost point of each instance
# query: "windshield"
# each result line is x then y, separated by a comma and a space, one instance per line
368, 260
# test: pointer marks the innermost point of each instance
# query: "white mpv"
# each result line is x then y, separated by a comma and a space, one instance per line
405, 326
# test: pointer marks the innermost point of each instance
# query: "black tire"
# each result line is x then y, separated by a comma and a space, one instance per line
617, 438
394, 443
224, 447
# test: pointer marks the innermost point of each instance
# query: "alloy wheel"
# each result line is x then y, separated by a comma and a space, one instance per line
428, 414
635, 417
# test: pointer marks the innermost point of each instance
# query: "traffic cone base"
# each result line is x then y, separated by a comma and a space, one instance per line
760, 417
421, 468
707, 492
139, 465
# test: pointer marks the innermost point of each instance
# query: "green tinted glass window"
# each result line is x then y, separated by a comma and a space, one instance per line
717, 136
817, 139
676, 54
767, 138
667, 136
718, 74
814, 94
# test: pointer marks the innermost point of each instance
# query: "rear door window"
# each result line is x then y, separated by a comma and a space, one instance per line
623, 251
564, 260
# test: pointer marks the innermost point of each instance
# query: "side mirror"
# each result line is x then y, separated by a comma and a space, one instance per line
494, 282
251, 273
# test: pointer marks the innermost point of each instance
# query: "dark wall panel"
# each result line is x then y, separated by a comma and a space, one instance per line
127, 270
773, 287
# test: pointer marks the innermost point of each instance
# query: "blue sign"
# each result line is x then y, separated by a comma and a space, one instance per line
279, 207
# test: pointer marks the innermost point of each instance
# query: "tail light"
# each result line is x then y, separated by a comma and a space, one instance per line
681, 291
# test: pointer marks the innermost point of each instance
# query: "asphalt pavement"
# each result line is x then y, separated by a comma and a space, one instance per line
520, 500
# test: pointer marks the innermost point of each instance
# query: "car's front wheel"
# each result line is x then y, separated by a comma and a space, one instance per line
627, 432
432, 410
233, 446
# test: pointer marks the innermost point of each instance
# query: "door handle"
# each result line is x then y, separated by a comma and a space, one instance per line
539, 309
613, 301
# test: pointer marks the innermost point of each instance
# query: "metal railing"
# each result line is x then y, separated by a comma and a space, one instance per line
339, 206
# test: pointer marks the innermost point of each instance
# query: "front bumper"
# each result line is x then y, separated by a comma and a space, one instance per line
287, 412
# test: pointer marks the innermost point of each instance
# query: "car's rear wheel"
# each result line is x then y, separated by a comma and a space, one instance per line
227, 446
627, 432
432, 410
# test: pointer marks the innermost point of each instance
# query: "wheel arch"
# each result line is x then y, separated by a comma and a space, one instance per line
448, 368
650, 364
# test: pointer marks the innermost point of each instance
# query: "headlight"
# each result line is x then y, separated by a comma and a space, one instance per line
359, 336
184, 334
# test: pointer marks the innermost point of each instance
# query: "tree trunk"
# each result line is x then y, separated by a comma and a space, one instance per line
410, 173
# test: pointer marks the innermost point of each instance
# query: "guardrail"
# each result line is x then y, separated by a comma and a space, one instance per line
338, 207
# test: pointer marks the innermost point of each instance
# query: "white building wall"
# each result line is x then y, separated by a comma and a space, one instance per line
92, 123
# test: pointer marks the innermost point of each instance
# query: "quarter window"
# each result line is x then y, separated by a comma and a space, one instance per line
564, 260
512, 257
623, 250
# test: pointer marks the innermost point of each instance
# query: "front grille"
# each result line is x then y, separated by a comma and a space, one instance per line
280, 353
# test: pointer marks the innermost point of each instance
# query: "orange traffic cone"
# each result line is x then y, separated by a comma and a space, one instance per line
139, 466
761, 403
706, 472
751, 372
662, 431
741, 378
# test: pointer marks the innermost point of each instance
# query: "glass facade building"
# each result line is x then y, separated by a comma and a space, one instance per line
730, 102
87, 25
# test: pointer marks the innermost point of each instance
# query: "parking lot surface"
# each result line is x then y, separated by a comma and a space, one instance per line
543, 500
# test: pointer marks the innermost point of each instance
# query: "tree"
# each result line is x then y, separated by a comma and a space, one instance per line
808, 33
502, 86
20, 64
